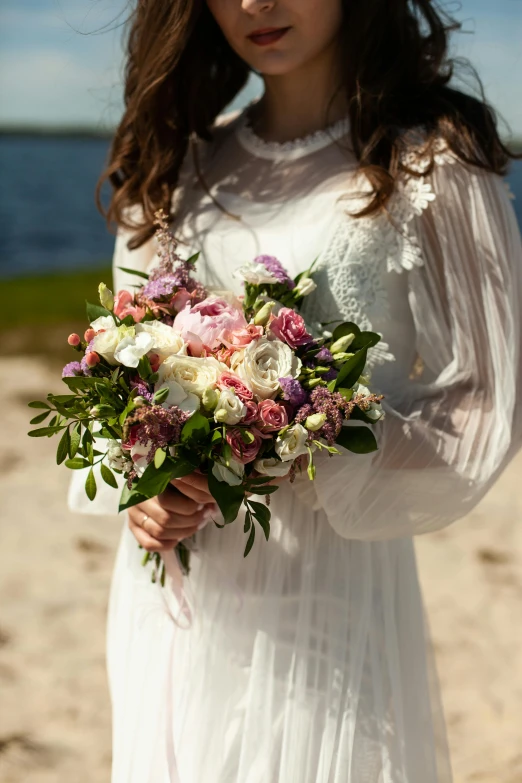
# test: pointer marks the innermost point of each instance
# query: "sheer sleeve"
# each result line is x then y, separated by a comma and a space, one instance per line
107, 498
449, 433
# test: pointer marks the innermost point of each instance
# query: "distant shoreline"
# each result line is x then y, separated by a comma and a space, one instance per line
106, 133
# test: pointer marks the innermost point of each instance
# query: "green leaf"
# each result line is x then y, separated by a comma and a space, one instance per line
159, 457
41, 417
161, 395
346, 393
74, 441
94, 311
108, 476
63, 398
63, 448
90, 485
192, 260
352, 370
144, 368
365, 340
331, 385
359, 415
76, 463
155, 480
262, 514
130, 497
248, 522
197, 428
250, 542
229, 499
43, 431
266, 490
345, 328
134, 272
359, 440
77, 383
37, 404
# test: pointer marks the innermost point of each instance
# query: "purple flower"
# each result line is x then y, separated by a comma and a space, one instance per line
72, 369
293, 391
143, 390
324, 356
275, 267
161, 286
331, 375
85, 370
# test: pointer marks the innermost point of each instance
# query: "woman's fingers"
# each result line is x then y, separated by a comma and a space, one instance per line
175, 502
148, 542
194, 486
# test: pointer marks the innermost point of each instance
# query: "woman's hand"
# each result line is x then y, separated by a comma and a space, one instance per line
179, 512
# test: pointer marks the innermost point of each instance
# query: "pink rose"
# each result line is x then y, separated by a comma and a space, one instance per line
210, 319
290, 327
180, 299
239, 338
123, 306
272, 416
230, 381
224, 355
251, 415
243, 452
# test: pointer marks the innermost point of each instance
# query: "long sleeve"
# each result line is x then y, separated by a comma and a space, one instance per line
107, 498
448, 433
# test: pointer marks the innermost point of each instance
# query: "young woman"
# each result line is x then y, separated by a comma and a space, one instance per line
308, 661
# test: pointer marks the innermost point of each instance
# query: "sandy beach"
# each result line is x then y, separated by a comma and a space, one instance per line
55, 570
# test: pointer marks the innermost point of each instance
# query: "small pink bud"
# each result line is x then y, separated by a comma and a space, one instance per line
91, 359
155, 361
89, 335
74, 339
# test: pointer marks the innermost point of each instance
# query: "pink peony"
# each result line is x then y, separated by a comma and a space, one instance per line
239, 338
209, 320
180, 300
243, 452
123, 306
290, 327
251, 415
230, 381
272, 416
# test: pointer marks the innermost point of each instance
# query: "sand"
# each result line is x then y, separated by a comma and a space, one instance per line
55, 570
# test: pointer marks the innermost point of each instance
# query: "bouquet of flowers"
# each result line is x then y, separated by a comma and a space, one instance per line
175, 379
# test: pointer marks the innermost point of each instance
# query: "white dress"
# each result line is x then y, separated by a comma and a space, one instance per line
309, 661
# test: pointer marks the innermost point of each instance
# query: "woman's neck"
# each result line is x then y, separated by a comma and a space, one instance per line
300, 102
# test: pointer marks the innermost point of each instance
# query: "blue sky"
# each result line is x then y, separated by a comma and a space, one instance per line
53, 73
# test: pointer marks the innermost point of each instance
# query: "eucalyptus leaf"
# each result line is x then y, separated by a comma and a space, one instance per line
108, 476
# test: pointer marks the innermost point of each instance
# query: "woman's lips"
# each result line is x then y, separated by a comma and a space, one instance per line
268, 36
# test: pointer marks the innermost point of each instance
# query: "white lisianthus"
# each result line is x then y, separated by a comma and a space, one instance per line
229, 409
115, 456
139, 457
105, 343
178, 396
167, 341
231, 474
262, 363
195, 374
103, 322
271, 466
305, 286
106, 297
131, 349
255, 274
292, 443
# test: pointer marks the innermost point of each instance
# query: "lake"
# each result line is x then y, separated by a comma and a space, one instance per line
48, 219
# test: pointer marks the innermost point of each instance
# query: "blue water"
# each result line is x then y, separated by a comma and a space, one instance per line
48, 219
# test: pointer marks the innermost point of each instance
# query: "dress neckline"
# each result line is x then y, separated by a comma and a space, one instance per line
287, 150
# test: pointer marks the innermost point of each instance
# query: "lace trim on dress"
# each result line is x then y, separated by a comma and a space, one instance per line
364, 251
289, 150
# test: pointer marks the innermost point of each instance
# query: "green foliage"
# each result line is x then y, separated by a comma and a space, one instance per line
359, 440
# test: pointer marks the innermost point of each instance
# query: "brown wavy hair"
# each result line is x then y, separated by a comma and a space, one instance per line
181, 74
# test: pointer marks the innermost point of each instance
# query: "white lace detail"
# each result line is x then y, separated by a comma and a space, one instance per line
289, 150
363, 252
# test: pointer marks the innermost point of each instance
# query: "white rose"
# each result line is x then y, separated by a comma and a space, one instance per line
255, 274
193, 373
115, 456
103, 322
184, 400
292, 443
305, 286
229, 409
262, 363
232, 474
271, 466
131, 349
139, 457
167, 341
106, 343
